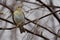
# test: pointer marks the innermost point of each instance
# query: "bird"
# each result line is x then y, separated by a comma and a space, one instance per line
19, 18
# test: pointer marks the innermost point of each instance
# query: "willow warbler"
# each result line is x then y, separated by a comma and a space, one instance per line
19, 18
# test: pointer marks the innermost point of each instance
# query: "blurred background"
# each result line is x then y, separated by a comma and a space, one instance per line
33, 10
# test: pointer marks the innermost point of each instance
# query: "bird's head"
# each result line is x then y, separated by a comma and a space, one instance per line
19, 8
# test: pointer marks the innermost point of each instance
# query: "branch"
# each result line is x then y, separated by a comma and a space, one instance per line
36, 34
49, 10
49, 14
41, 5
43, 16
10, 11
31, 2
8, 28
7, 21
25, 30
6, 7
43, 27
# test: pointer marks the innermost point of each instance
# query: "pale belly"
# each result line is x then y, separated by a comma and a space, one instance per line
19, 19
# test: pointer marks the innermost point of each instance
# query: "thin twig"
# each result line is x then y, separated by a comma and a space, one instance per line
36, 34
8, 28
49, 10
43, 27
10, 11
42, 5
7, 21
43, 16
31, 2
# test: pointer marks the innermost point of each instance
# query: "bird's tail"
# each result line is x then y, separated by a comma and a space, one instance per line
22, 29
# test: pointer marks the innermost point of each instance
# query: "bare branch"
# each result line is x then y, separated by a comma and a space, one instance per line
7, 21
10, 10
49, 10
8, 28
37, 34
42, 6
43, 27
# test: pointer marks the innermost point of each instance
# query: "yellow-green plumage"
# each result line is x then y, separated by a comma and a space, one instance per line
19, 19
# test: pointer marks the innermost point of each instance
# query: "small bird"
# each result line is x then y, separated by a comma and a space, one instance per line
19, 18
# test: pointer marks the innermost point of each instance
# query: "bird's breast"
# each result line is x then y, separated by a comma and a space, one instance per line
18, 17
